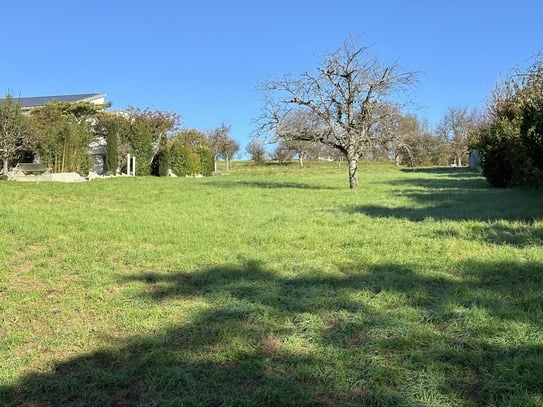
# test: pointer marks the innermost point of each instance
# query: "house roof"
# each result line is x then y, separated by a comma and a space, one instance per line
30, 102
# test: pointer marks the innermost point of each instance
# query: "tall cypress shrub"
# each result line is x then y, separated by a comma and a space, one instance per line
112, 148
207, 162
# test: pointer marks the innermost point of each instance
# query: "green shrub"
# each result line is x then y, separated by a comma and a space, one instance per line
161, 164
181, 160
112, 153
206, 160
185, 160
511, 143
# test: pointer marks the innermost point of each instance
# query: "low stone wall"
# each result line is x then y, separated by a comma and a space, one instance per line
31, 178
68, 177
58, 177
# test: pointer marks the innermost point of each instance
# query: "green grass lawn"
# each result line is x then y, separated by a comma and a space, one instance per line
272, 286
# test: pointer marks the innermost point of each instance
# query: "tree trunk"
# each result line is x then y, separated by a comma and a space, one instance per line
5, 166
457, 160
353, 172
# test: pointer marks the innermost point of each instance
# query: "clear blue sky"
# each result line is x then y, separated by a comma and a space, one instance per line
203, 59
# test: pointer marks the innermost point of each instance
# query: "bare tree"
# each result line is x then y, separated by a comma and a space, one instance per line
15, 136
344, 95
282, 153
256, 150
458, 125
297, 132
222, 145
229, 150
393, 133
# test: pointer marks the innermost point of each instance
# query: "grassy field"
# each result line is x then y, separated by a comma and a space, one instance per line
272, 286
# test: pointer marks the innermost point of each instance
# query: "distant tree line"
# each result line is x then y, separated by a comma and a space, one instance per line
400, 138
59, 134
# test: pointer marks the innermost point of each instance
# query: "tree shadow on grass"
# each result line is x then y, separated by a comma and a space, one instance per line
462, 195
278, 184
363, 335
448, 171
458, 194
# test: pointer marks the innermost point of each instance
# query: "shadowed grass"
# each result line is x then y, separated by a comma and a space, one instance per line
272, 286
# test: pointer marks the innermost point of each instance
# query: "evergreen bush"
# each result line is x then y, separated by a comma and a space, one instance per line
511, 143
112, 148
161, 164
207, 163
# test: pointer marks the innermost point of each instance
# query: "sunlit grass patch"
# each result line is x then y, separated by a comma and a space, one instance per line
272, 286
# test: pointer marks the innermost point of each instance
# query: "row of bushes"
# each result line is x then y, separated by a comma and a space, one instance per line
154, 138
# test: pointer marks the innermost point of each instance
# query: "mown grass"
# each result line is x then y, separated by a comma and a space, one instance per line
272, 286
